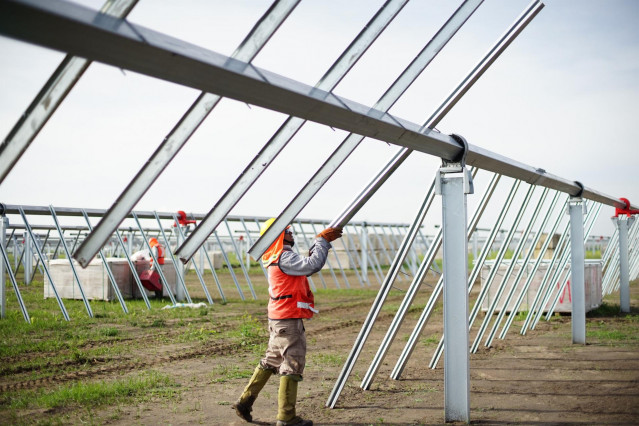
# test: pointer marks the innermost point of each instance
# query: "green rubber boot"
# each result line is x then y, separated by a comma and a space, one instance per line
286, 399
244, 405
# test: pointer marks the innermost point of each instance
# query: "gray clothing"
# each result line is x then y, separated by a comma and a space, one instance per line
292, 263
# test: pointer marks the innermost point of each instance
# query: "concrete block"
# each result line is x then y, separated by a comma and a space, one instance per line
94, 279
593, 277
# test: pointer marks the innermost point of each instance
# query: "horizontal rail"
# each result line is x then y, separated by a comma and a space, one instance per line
84, 32
74, 211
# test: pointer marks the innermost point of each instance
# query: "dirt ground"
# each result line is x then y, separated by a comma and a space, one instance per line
539, 378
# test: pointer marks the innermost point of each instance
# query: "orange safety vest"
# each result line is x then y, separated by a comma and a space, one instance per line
290, 295
160, 254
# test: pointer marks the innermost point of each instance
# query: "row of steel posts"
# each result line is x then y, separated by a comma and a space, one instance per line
618, 262
377, 243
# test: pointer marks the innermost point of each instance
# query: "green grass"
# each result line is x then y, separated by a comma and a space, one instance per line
493, 254
225, 373
326, 359
606, 309
593, 254
431, 340
613, 336
249, 332
94, 394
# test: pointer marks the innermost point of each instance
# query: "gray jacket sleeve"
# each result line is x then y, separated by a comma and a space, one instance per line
292, 263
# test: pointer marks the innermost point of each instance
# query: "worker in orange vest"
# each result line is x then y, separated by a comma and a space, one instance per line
290, 302
158, 250
150, 278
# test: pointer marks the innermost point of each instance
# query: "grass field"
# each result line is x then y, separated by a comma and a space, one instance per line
94, 370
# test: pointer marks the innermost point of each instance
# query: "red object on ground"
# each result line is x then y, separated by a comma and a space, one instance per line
151, 280
182, 220
626, 210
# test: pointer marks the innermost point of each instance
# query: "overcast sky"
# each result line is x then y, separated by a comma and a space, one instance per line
563, 97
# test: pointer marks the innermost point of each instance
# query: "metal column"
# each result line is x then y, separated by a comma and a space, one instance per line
623, 224
577, 269
27, 261
4, 225
363, 240
181, 237
14, 282
453, 183
68, 254
29, 232
286, 132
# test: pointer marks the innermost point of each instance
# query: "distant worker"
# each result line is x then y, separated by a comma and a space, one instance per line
150, 278
291, 300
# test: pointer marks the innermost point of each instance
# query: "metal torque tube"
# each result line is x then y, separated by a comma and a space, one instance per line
179, 135
285, 133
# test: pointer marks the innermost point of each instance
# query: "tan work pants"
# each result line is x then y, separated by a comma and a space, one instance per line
286, 352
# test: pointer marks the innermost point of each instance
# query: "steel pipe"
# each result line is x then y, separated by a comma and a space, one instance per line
352, 141
83, 32
287, 130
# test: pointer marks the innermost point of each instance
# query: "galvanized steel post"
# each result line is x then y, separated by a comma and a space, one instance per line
68, 254
577, 269
27, 259
4, 225
363, 240
29, 232
623, 224
453, 183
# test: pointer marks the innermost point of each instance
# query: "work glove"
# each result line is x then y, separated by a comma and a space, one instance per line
330, 234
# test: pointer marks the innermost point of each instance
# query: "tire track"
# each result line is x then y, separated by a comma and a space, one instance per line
122, 365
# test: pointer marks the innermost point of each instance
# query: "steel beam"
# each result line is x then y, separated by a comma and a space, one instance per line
493, 272
5, 260
531, 274
145, 243
286, 132
50, 97
229, 265
506, 276
432, 300
239, 258
402, 154
588, 223
84, 32
4, 225
376, 307
71, 264
557, 276
134, 271
114, 284
352, 141
179, 271
180, 134
549, 277
63, 309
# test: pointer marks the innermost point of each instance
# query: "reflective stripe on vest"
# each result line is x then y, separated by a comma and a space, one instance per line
303, 305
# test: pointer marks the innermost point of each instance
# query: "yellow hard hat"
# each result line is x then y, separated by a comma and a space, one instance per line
266, 225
